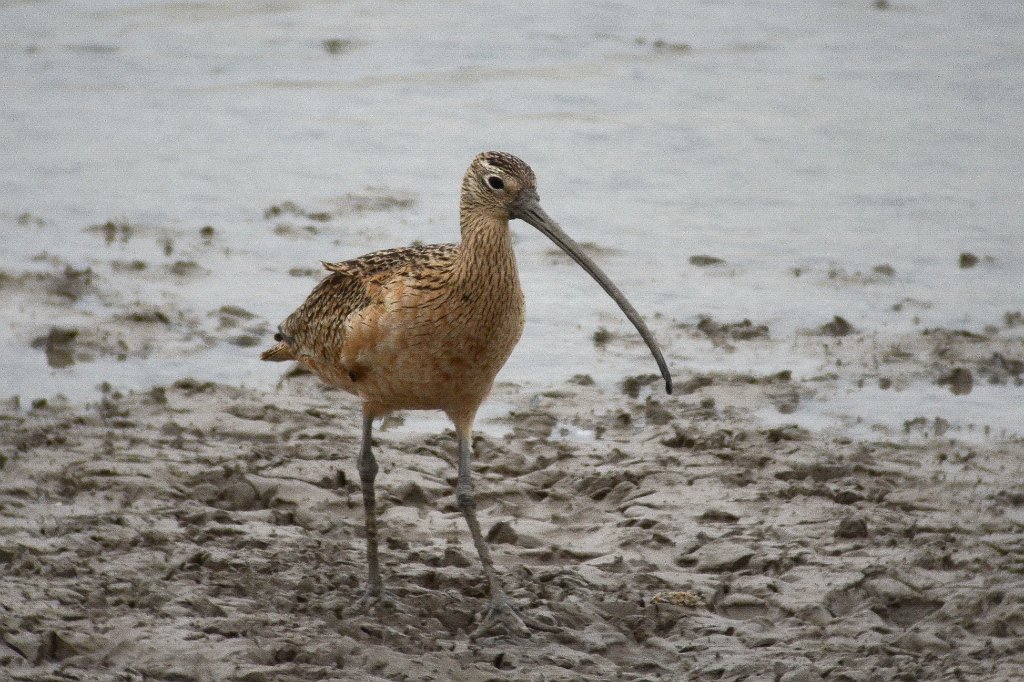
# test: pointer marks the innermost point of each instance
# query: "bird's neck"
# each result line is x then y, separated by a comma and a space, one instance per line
486, 257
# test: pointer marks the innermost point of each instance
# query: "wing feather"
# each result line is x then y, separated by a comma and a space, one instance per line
317, 327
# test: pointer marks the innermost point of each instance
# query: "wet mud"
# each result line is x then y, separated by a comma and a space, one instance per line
209, 532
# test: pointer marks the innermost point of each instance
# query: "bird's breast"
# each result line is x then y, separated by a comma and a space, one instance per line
429, 347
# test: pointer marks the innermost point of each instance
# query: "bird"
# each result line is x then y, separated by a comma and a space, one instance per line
428, 328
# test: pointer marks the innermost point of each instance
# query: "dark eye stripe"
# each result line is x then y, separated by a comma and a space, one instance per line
495, 182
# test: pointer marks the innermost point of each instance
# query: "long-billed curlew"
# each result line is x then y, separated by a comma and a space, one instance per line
428, 328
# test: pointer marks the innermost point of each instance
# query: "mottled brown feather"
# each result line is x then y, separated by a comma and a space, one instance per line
316, 330
423, 327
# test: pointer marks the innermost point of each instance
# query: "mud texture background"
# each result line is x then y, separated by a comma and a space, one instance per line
200, 531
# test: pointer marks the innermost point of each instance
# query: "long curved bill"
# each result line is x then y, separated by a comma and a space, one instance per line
528, 208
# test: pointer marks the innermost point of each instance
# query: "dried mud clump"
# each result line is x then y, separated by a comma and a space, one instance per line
336, 46
114, 231
73, 284
631, 385
65, 285
26, 219
146, 315
695, 383
291, 208
187, 268
837, 327
128, 266
1002, 370
743, 330
59, 346
960, 357
961, 381
852, 528
703, 261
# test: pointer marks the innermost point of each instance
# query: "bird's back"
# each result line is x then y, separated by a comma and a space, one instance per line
316, 330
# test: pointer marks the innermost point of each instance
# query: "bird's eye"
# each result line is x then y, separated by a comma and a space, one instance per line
495, 182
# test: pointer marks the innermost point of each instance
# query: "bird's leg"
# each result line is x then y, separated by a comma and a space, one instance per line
467, 503
501, 611
367, 474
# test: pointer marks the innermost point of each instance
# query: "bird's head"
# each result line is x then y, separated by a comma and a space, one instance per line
499, 187
498, 184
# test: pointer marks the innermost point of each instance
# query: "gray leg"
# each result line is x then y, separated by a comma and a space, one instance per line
501, 614
467, 503
367, 475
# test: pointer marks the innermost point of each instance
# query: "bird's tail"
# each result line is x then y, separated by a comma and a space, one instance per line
279, 352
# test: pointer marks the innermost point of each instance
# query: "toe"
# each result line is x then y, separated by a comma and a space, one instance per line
503, 617
370, 600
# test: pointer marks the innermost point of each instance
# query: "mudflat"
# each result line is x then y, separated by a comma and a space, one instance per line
202, 531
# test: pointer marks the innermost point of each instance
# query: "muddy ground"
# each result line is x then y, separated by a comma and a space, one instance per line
833, 493
200, 531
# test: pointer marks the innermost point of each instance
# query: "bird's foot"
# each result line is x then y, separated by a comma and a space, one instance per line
504, 617
370, 599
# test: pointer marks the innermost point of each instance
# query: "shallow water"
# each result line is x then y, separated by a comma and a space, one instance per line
782, 138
